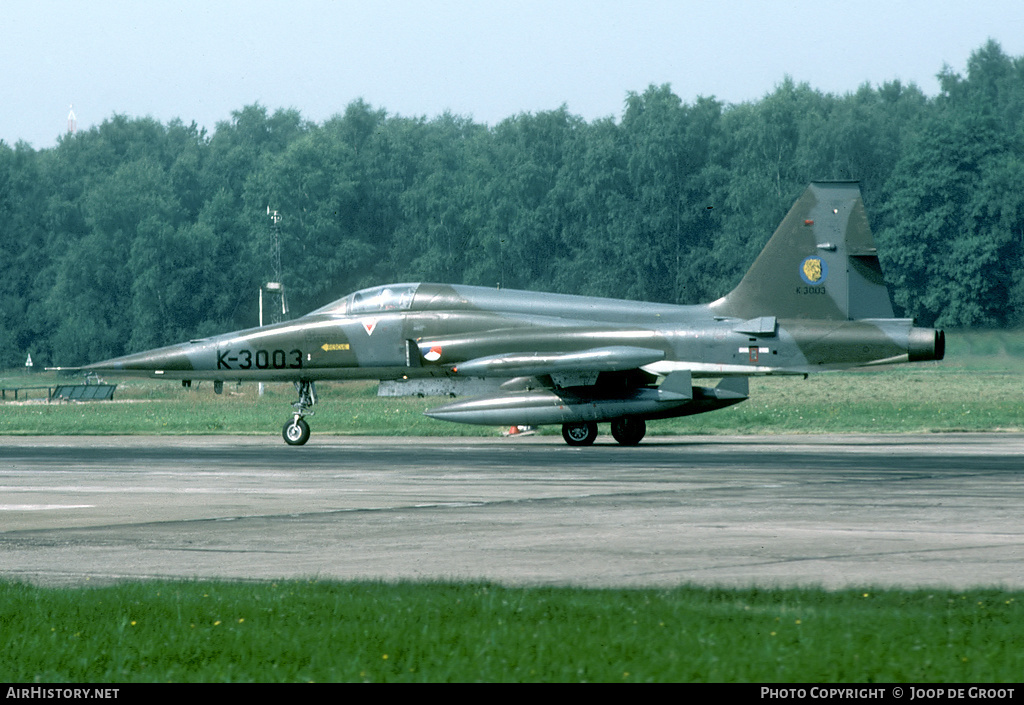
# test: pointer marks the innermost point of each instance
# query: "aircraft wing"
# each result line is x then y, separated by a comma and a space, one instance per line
615, 358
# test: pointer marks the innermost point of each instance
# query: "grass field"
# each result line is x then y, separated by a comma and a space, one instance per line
311, 631
322, 631
979, 387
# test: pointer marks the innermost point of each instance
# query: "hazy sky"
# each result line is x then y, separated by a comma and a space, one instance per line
486, 59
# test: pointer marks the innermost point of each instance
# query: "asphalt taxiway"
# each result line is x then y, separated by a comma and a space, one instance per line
939, 510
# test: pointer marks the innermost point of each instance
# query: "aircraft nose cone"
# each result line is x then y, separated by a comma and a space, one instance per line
170, 358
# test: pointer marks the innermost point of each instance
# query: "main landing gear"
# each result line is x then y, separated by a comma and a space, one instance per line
296, 431
627, 432
579, 434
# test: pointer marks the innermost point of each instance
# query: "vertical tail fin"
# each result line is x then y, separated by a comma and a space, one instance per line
821, 263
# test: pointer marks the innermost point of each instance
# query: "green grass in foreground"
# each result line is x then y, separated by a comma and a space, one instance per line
978, 387
324, 631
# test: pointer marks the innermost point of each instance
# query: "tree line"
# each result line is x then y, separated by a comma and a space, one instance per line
134, 233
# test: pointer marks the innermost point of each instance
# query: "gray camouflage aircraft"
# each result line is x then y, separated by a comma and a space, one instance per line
814, 300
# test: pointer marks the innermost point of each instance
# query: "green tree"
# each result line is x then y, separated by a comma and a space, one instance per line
441, 199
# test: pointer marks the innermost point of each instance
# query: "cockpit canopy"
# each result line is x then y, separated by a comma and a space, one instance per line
378, 299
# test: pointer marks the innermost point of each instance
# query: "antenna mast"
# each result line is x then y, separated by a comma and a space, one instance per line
276, 286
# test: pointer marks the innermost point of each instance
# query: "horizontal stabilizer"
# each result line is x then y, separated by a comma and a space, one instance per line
616, 358
764, 325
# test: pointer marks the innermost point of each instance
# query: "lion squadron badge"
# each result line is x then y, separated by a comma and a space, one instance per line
813, 270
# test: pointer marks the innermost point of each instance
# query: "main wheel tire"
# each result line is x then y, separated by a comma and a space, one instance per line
629, 432
296, 432
579, 434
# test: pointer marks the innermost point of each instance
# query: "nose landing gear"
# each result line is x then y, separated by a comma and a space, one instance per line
296, 431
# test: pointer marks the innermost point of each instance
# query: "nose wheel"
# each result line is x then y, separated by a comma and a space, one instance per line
296, 431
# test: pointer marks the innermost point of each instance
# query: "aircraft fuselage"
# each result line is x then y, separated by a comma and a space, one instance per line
814, 300
448, 320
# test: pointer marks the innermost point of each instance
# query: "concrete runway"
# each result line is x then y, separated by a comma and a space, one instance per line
937, 510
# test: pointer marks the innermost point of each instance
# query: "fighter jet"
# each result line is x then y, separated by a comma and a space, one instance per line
814, 300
